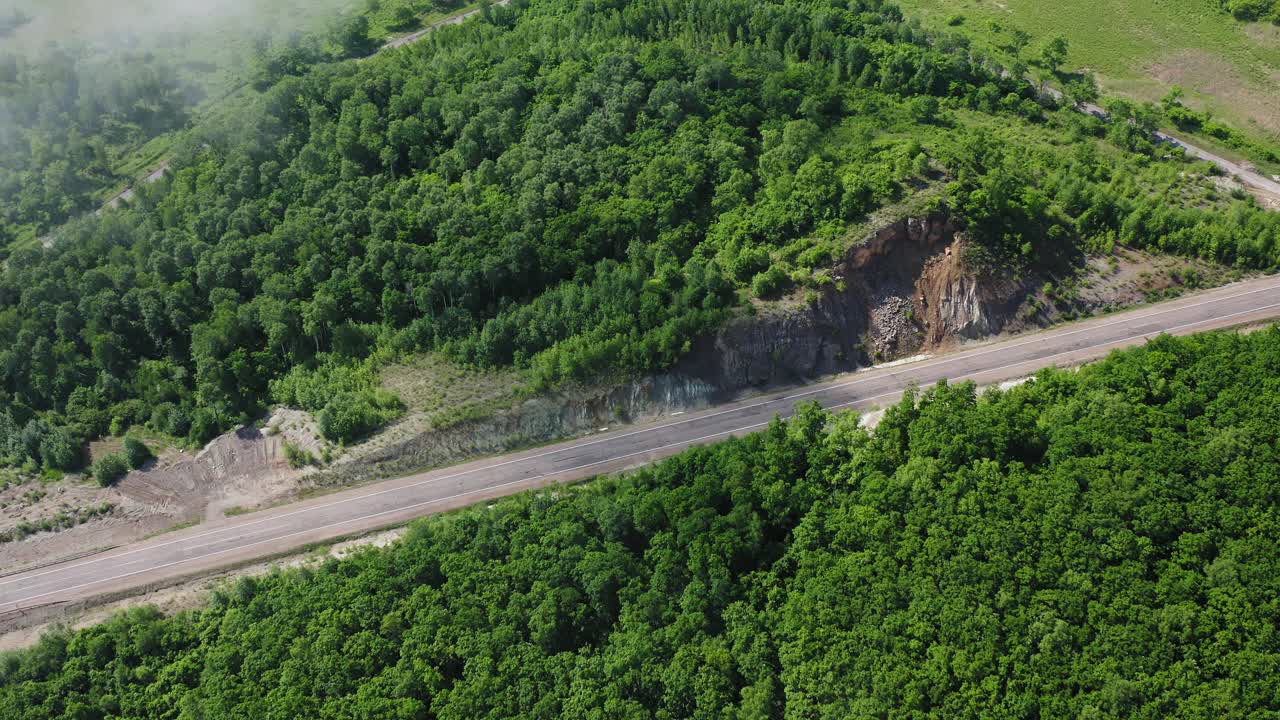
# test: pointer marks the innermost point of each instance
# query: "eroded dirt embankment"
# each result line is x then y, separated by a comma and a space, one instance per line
240, 469
244, 468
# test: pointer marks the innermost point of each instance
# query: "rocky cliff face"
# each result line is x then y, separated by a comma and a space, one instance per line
902, 291
535, 421
956, 304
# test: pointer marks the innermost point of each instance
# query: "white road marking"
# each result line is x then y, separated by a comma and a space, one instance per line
1070, 352
958, 356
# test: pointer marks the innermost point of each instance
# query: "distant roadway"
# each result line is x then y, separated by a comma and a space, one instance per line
246, 538
451, 20
1248, 177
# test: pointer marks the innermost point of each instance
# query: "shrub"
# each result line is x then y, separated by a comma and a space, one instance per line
110, 468
136, 452
920, 165
352, 415
313, 388
1250, 9
769, 282
404, 17
206, 424
298, 457
59, 450
172, 419
750, 260
923, 108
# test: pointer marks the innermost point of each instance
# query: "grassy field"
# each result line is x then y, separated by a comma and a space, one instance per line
1141, 48
443, 393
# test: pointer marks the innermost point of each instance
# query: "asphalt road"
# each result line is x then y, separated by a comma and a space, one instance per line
250, 537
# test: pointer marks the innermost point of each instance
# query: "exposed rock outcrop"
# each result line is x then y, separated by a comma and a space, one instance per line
902, 291
535, 421
956, 304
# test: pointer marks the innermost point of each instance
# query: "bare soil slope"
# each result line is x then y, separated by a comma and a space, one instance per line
245, 468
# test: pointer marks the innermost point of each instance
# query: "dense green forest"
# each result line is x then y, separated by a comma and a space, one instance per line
1098, 544
574, 188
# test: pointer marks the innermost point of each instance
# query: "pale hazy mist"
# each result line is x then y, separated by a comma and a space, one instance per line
143, 23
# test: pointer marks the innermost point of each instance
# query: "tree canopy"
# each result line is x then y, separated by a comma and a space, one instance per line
1253, 9
65, 116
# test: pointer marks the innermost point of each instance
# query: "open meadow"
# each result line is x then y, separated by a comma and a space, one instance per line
1140, 49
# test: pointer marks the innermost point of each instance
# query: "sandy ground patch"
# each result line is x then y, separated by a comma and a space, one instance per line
33, 502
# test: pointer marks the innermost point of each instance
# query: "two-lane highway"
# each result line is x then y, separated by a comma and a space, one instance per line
272, 532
